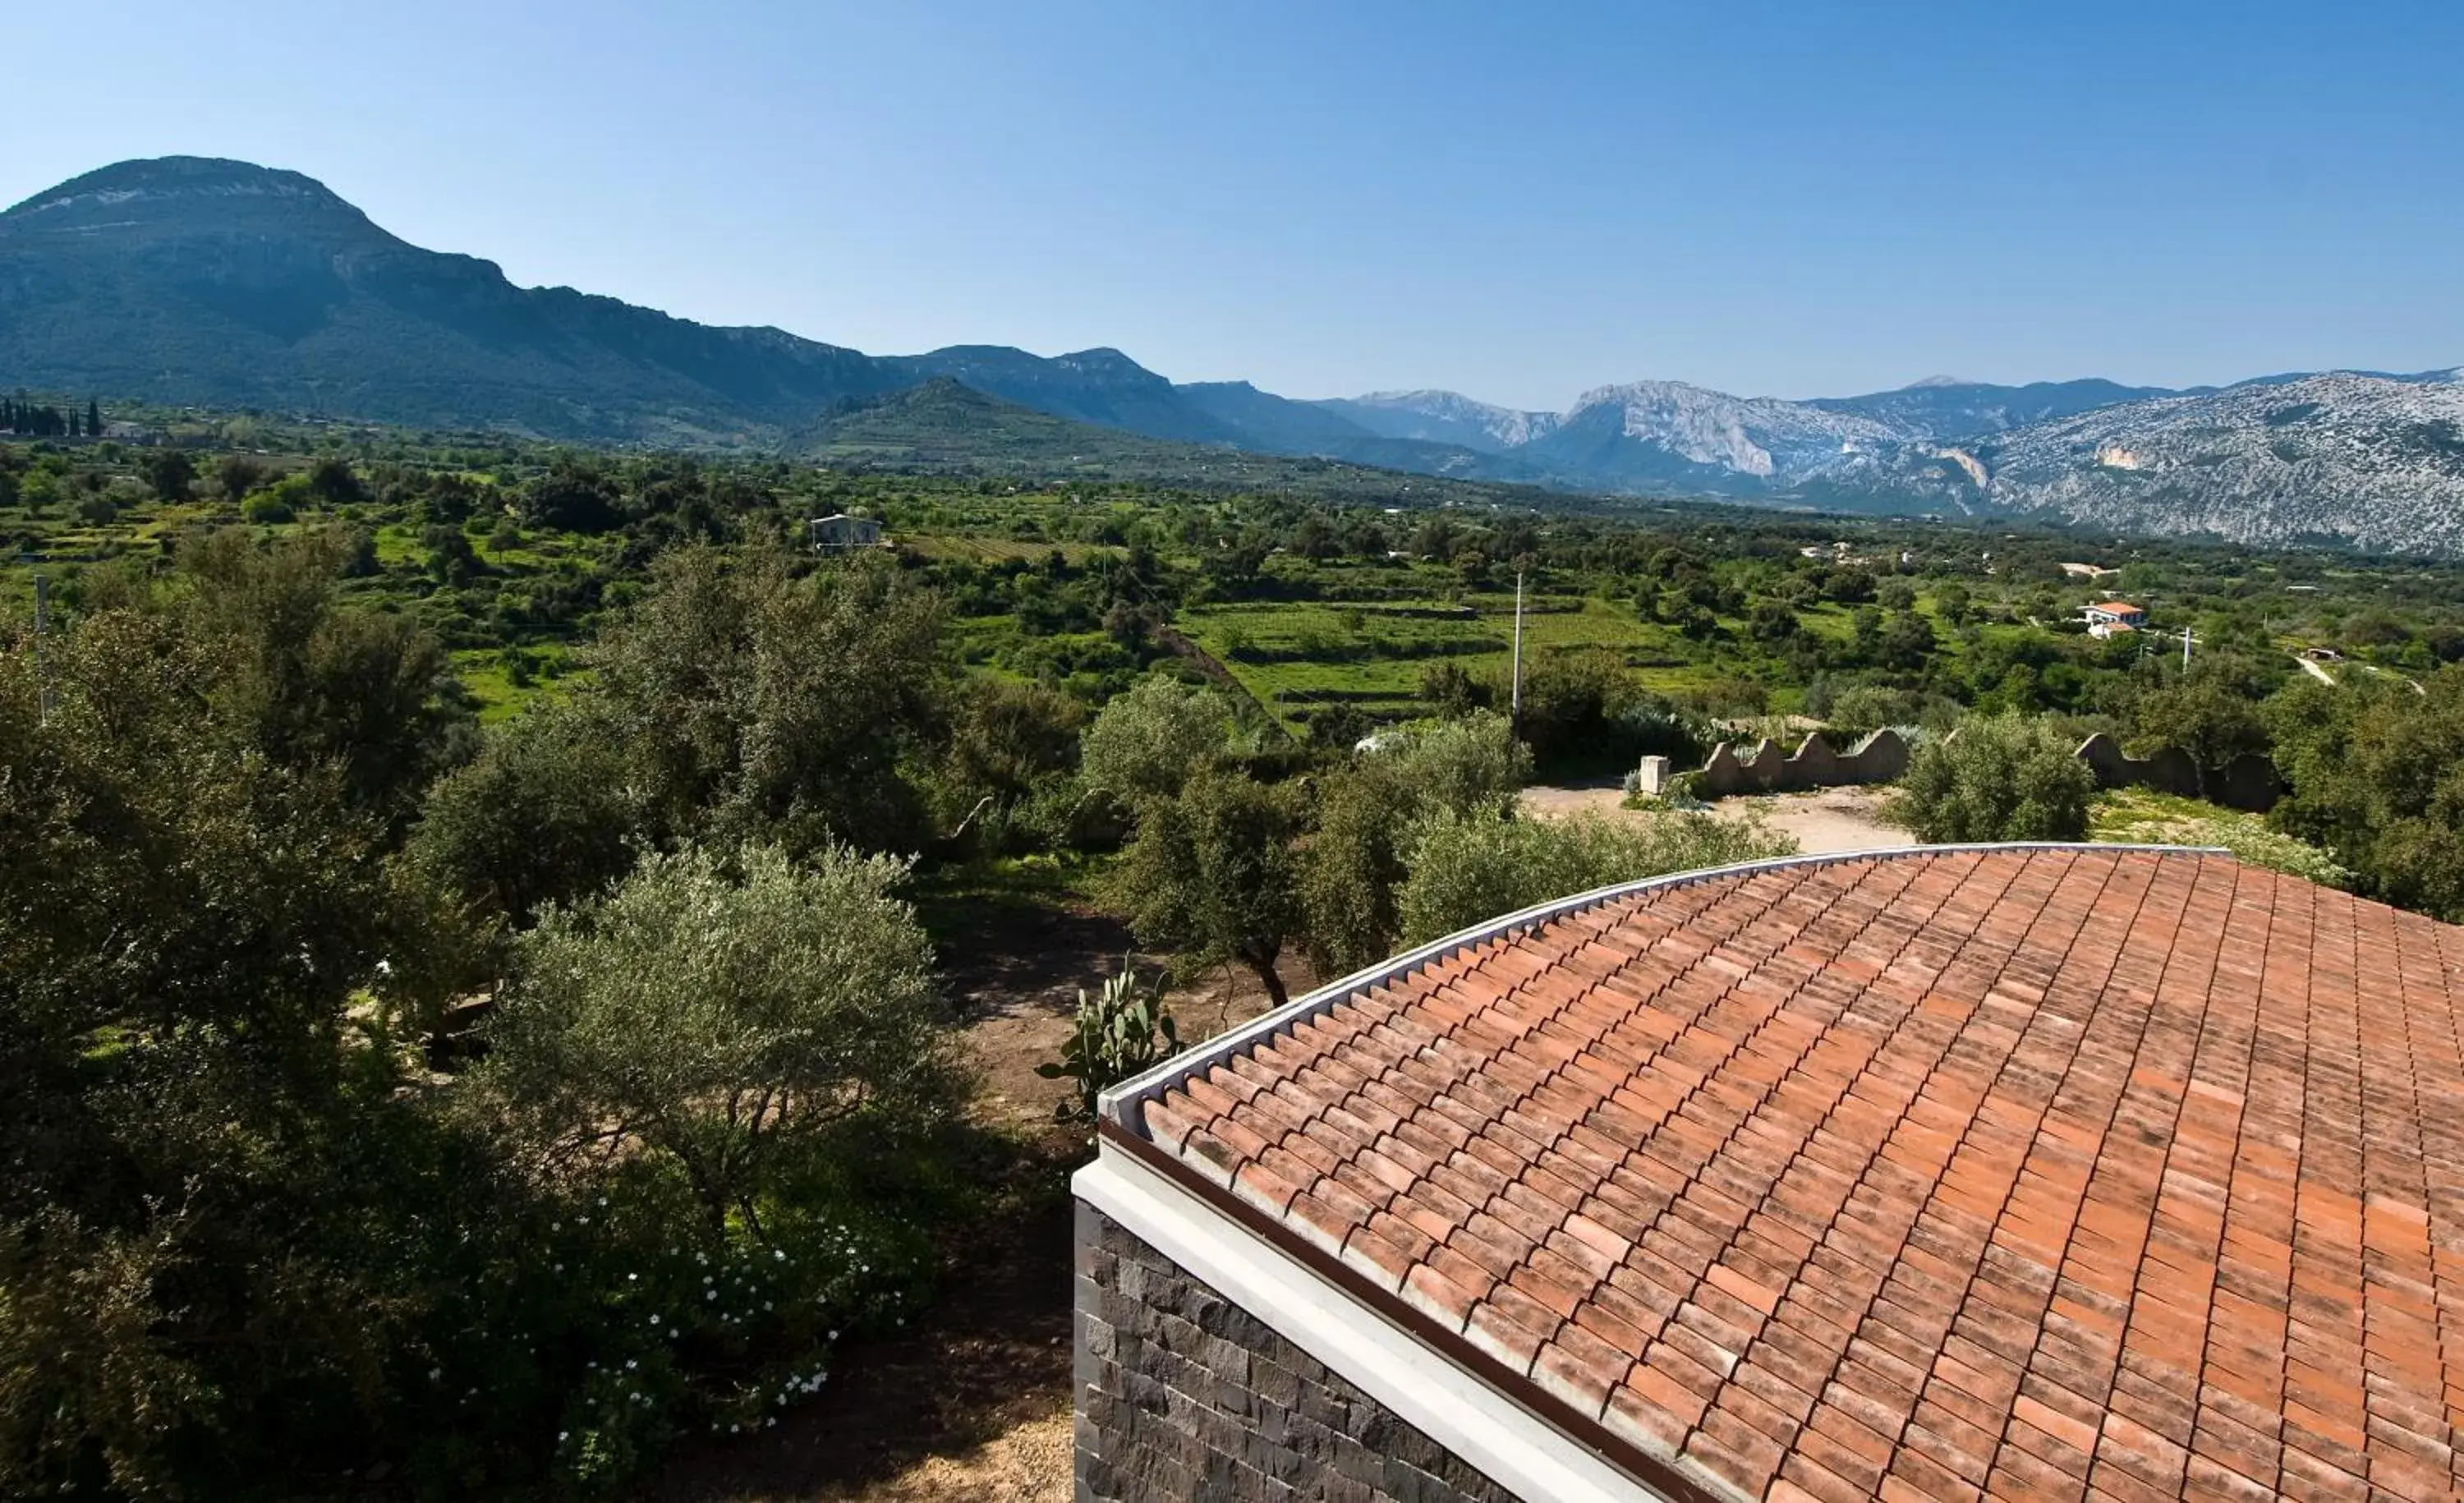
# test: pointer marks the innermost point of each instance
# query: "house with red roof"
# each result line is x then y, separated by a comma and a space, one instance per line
2108, 617
2013, 1171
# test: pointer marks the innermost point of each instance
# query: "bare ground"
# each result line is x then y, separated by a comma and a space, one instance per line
973, 1406
1831, 820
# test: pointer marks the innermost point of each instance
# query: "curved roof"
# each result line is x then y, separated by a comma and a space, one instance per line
1944, 1173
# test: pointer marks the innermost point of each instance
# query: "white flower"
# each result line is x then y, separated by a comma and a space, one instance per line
778, 1256
630, 1363
602, 1200
434, 1373
654, 1320
632, 1278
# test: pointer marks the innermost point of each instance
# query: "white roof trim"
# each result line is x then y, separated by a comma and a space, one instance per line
1122, 1103
1507, 1443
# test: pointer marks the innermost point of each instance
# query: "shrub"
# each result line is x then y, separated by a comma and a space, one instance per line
713, 1012
2005, 777
265, 508
1465, 870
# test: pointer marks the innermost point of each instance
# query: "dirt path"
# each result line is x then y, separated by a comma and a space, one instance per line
1831, 820
975, 1405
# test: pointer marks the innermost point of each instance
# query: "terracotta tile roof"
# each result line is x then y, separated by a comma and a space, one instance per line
1944, 1175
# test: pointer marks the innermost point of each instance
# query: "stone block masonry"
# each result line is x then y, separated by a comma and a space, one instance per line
1181, 1394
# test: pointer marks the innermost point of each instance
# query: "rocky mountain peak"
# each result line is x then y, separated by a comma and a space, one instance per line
161, 180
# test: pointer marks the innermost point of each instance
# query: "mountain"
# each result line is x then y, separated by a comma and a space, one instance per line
1262, 420
1945, 406
944, 424
947, 427
2371, 460
200, 283
195, 281
1667, 433
1103, 387
1442, 417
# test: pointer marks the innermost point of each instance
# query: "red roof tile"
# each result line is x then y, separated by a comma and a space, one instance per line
1963, 1173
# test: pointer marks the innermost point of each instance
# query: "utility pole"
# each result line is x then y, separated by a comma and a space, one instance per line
1514, 713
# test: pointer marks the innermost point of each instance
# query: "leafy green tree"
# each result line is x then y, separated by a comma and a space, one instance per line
722, 1014
364, 693
2005, 777
1465, 870
757, 704
542, 815
206, 1181
574, 495
1148, 743
1350, 867
452, 561
2378, 780
171, 474
267, 510
1351, 864
1005, 738
332, 481
1210, 874
2203, 715
237, 474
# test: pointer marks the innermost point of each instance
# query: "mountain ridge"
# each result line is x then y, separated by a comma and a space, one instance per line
211, 282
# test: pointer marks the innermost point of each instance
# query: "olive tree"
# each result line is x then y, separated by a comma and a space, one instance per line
717, 1012
544, 813
1146, 742
1210, 874
1352, 863
755, 703
1468, 868
2003, 777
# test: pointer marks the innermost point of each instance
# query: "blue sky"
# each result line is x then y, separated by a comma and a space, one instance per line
1516, 202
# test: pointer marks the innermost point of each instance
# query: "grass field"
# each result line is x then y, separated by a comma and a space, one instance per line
1371, 652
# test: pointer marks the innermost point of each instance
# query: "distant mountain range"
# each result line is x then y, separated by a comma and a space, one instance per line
192, 281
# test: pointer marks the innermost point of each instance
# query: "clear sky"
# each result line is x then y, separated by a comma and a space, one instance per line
1514, 201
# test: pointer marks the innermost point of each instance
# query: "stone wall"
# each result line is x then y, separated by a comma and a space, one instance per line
1181, 1394
2250, 783
1880, 758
